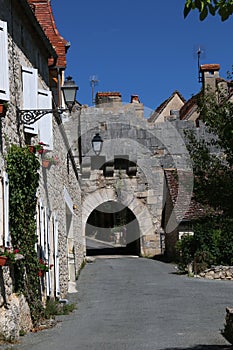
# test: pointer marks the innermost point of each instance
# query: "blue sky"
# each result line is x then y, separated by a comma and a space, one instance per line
140, 47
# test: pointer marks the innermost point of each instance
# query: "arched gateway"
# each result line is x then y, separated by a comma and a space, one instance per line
139, 210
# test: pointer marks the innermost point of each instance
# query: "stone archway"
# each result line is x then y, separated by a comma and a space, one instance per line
140, 211
112, 229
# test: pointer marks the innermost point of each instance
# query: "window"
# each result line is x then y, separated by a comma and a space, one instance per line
4, 70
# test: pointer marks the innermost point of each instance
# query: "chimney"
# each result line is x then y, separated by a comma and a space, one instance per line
134, 99
108, 98
209, 74
137, 106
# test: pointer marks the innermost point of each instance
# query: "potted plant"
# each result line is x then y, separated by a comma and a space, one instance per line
37, 148
9, 255
43, 267
48, 161
3, 108
3, 260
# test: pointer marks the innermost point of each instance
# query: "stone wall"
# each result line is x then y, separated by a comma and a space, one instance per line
227, 332
59, 189
218, 273
15, 316
61, 195
148, 148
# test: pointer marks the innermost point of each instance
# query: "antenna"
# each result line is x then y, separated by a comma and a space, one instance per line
198, 65
93, 82
199, 53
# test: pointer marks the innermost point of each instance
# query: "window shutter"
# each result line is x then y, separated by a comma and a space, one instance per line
1, 214
7, 239
30, 86
47, 251
46, 122
4, 70
41, 228
56, 258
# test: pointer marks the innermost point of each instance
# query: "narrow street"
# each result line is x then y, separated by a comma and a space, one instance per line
136, 304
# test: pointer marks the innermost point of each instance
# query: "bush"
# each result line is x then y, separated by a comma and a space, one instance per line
212, 244
185, 250
202, 261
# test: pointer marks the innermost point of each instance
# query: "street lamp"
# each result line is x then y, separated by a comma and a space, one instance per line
69, 89
97, 143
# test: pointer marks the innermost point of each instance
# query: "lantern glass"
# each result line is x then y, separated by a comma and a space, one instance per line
97, 144
69, 90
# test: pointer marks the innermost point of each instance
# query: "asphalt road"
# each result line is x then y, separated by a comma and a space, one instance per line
137, 304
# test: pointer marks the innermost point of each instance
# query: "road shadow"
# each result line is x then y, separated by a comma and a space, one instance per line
203, 347
108, 251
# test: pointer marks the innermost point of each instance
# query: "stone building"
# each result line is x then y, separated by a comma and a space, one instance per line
176, 222
123, 185
32, 65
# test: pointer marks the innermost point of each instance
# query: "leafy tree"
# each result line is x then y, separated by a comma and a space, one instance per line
224, 8
213, 160
213, 183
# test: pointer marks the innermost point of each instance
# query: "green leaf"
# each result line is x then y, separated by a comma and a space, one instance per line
211, 9
187, 9
204, 14
198, 4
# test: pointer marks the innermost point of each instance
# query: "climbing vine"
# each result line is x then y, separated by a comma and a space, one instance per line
22, 169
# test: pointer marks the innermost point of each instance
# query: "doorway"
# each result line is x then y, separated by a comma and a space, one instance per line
112, 229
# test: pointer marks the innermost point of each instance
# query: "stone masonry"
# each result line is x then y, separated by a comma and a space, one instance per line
127, 137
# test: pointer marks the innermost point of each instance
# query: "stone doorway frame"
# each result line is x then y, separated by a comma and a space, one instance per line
141, 212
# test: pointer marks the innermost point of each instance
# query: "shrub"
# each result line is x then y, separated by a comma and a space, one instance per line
212, 244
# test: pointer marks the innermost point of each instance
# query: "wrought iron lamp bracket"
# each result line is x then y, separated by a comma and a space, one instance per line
30, 116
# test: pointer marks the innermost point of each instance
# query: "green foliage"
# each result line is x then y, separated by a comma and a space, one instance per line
22, 168
54, 308
224, 8
213, 171
212, 244
213, 181
185, 248
217, 112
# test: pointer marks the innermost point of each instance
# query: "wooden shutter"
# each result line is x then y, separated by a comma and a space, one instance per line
56, 258
47, 251
4, 70
30, 86
41, 228
46, 122
1, 214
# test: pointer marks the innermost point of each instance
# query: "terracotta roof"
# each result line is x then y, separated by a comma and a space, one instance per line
208, 67
163, 105
108, 94
43, 12
179, 182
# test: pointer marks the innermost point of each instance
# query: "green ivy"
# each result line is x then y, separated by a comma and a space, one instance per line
22, 169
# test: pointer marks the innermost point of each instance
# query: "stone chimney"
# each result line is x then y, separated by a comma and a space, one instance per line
108, 98
209, 74
134, 99
137, 106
